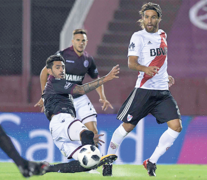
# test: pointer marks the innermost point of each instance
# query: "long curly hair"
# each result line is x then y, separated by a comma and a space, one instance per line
149, 6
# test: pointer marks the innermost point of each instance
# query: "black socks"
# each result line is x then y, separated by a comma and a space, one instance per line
71, 167
87, 137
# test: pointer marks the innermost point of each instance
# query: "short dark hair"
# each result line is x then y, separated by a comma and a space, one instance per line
149, 6
79, 31
51, 59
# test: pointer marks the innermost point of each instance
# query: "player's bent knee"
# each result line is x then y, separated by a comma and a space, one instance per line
75, 129
176, 128
179, 129
128, 127
175, 125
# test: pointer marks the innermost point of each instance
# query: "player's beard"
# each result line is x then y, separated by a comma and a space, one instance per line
153, 29
60, 76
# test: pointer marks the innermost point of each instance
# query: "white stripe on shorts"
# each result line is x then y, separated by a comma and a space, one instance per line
125, 110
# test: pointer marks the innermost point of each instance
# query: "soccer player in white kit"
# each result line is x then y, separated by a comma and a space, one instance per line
147, 54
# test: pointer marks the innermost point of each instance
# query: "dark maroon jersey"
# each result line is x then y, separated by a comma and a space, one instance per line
58, 97
77, 67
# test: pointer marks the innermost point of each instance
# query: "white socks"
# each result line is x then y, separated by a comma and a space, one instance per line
166, 141
116, 140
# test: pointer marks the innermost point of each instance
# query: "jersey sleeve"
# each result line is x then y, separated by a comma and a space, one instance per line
63, 86
136, 45
93, 71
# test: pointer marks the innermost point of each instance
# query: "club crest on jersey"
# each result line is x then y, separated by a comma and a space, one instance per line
67, 85
158, 51
86, 63
131, 47
129, 117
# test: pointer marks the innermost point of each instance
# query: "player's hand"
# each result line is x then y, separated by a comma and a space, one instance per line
151, 70
106, 104
40, 104
113, 73
97, 140
171, 81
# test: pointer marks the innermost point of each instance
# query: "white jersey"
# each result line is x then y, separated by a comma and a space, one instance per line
151, 49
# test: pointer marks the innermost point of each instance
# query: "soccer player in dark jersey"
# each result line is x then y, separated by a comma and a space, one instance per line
68, 133
78, 63
147, 54
27, 168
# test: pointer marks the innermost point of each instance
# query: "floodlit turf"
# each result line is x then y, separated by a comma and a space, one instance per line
8, 171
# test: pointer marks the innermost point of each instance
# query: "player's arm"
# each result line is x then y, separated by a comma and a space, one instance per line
134, 65
102, 98
171, 81
93, 73
43, 80
88, 87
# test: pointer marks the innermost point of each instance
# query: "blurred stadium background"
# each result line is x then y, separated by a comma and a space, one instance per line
32, 30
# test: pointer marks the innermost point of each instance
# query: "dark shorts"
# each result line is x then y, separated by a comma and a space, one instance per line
141, 102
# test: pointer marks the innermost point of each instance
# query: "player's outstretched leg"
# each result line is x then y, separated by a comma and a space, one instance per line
33, 168
74, 166
150, 167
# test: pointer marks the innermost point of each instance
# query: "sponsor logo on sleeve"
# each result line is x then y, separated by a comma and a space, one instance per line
131, 46
96, 71
67, 85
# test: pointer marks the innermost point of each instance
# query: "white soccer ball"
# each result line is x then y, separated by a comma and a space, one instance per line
89, 156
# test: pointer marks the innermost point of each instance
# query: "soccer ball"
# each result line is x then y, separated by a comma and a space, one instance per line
89, 156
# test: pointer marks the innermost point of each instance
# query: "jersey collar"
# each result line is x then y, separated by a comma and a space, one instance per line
158, 32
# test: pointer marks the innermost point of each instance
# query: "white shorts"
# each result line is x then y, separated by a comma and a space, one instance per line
63, 136
84, 108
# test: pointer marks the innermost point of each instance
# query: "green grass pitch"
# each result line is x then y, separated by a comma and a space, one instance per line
8, 171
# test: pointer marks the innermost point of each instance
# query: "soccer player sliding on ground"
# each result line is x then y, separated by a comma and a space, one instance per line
68, 133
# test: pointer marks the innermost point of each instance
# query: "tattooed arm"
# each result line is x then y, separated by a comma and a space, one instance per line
85, 88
